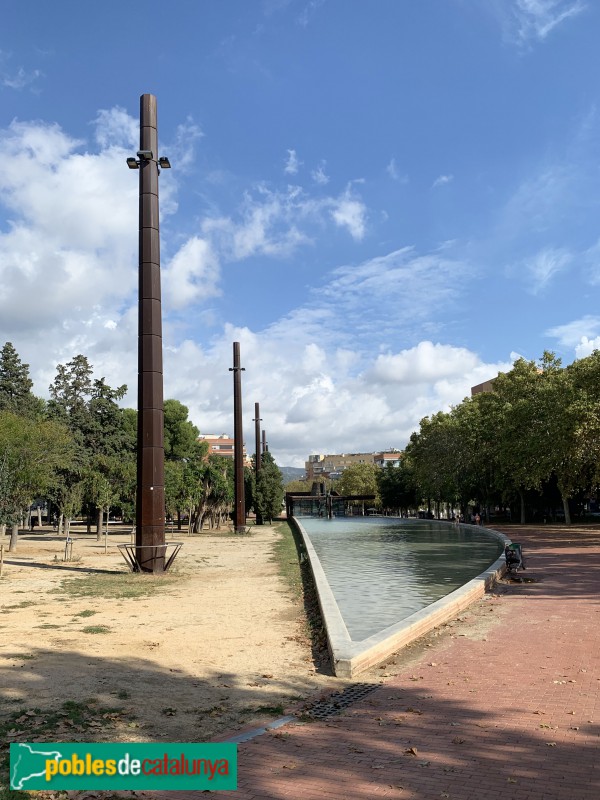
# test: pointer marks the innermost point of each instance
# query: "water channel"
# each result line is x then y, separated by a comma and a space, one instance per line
381, 570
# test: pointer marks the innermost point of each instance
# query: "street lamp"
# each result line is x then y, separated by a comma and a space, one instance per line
150, 544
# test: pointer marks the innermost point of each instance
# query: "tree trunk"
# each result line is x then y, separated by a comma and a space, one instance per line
39, 516
99, 519
14, 535
61, 522
565, 501
178, 520
522, 496
88, 522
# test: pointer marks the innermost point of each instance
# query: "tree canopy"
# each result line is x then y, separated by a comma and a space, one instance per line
539, 428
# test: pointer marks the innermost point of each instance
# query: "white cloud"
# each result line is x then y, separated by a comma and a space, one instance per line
536, 19
68, 273
317, 402
583, 335
587, 346
318, 175
268, 224
573, 333
116, 128
398, 291
276, 223
77, 252
542, 267
16, 78
592, 260
305, 16
350, 212
292, 164
425, 363
441, 180
392, 170
192, 274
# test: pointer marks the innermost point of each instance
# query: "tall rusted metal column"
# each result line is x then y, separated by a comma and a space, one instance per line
150, 509
257, 421
239, 514
265, 448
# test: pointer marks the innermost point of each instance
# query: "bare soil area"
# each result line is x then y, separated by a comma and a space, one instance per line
216, 645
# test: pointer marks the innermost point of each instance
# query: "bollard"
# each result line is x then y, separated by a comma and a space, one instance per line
68, 549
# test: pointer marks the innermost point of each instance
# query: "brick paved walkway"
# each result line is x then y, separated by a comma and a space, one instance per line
502, 705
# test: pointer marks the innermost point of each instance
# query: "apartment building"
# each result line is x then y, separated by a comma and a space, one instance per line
486, 386
222, 445
327, 466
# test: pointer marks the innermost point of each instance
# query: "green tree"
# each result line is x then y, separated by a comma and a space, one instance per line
30, 454
90, 409
397, 486
359, 479
69, 394
15, 385
180, 433
432, 452
525, 398
269, 489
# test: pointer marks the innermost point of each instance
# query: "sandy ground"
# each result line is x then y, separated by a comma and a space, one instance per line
221, 647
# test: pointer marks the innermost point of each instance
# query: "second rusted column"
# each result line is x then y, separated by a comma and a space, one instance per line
239, 514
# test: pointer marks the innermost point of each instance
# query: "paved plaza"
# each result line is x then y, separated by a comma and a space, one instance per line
502, 704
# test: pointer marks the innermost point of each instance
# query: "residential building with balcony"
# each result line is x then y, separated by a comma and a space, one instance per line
222, 445
331, 466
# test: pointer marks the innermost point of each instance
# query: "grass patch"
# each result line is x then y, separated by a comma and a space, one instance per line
287, 556
271, 711
117, 585
87, 612
71, 721
48, 625
294, 567
22, 604
23, 657
96, 629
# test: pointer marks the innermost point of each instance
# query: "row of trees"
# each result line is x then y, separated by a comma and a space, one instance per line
533, 439
76, 453
532, 443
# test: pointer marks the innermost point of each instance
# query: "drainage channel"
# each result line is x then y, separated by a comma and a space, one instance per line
321, 709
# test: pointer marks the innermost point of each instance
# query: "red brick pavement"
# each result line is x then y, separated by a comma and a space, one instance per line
504, 710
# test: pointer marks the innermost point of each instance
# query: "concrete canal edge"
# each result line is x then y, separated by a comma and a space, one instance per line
351, 658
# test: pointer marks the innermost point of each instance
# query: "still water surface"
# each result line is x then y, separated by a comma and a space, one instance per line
381, 570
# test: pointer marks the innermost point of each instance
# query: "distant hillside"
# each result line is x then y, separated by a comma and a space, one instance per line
291, 474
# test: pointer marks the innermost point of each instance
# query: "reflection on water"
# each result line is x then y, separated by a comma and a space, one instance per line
383, 570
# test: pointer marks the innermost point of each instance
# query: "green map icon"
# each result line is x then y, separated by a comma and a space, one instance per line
27, 762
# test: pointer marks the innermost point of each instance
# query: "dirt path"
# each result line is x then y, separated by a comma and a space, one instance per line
218, 646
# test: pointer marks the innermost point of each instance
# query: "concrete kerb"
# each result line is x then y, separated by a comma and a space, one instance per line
351, 658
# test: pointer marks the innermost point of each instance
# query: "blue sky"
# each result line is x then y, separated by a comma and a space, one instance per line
384, 203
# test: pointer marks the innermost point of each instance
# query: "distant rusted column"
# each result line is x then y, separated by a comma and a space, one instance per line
257, 421
265, 448
238, 445
150, 509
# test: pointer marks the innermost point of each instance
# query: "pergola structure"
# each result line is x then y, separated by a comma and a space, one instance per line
308, 504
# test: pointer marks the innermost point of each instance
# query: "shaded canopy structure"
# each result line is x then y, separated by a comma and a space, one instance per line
316, 504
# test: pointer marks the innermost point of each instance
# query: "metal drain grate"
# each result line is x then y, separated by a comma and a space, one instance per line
336, 703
